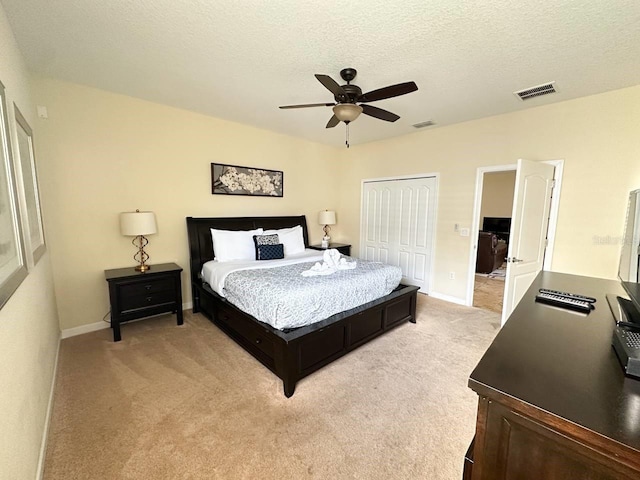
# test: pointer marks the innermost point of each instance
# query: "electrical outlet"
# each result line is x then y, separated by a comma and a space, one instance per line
452, 275
464, 232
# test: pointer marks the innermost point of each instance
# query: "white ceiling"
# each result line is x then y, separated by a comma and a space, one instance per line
240, 59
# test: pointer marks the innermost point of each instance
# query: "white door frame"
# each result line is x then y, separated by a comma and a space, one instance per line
435, 213
475, 225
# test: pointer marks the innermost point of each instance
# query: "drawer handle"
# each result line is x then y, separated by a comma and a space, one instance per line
149, 299
148, 287
258, 341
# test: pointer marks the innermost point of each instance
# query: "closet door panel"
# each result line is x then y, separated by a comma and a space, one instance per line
398, 226
378, 222
423, 234
404, 212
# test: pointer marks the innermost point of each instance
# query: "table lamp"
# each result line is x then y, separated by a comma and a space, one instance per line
326, 218
138, 224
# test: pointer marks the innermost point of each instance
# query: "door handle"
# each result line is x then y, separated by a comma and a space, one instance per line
513, 260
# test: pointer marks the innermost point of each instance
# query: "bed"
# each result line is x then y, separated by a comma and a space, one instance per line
294, 353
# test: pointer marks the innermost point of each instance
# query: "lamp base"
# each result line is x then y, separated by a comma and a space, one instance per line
141, 256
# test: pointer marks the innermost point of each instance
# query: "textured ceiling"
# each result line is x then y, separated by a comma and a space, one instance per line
240, 59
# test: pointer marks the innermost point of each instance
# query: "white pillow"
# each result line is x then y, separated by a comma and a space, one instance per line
291, 238
234, 244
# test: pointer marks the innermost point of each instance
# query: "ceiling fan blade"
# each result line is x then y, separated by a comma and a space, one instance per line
388, 92
309, 105
379, 113
333, 121
331, 85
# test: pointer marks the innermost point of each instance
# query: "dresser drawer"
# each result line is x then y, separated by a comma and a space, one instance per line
133, 302
151, 285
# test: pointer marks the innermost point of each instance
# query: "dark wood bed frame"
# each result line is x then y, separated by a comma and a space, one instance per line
295, 353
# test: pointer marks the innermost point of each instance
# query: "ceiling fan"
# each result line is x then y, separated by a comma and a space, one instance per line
347, 97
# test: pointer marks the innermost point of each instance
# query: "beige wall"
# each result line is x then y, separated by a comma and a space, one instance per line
497, 194
597, 136
28, 322
103, 153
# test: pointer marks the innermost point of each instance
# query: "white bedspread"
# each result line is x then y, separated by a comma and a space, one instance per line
276, 292
215, 273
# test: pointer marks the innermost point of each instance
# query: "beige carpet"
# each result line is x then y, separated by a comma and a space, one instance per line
185, 402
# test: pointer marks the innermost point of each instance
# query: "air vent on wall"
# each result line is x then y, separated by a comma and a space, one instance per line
428, 123
532, 92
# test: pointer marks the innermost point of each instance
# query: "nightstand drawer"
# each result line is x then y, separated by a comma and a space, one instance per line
151, 285
343, 248
133, 302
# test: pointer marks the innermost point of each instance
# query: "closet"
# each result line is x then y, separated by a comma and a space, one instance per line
397, 225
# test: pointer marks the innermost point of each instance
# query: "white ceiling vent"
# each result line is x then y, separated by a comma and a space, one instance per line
428, 123
532, 92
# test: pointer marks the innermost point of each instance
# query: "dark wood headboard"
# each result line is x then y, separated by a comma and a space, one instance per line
199, 232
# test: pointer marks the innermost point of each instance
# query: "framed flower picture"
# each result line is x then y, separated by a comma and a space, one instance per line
237, 180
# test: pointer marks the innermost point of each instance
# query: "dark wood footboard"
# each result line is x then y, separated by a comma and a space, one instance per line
294, 354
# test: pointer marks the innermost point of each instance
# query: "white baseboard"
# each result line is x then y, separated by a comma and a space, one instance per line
47, 419
90, 327
93, 327
448, 298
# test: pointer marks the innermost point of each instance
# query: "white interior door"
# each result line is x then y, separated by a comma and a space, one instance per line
529, 223
398, 226
376, 232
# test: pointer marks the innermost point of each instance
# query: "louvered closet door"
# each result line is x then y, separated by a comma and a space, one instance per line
398, 226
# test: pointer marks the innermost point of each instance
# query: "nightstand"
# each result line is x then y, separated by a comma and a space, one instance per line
136, 295
341, 247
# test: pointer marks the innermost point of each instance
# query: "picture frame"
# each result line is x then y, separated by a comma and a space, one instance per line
13, 269
32, 215
249, 181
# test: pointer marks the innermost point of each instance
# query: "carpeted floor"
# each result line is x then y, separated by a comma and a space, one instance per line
186, 402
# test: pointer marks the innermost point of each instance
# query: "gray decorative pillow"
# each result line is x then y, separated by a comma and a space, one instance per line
266, 239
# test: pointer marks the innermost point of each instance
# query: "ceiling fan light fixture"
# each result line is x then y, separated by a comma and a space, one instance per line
347, 112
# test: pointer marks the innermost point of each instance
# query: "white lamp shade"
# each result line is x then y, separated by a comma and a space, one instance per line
138, 223
327, 217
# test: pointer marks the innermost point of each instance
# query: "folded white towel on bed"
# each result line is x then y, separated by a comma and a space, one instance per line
331, 258
318, 269
332, 262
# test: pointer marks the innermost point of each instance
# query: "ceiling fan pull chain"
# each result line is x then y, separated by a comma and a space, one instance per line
347, 142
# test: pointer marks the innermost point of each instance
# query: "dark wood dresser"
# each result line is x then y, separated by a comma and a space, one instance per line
135, 294
553, 399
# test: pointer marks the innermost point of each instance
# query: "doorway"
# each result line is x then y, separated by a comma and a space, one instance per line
524, 221
398, 225
493, 239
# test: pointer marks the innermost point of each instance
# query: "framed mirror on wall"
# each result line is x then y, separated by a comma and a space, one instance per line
31, 212
12, 258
